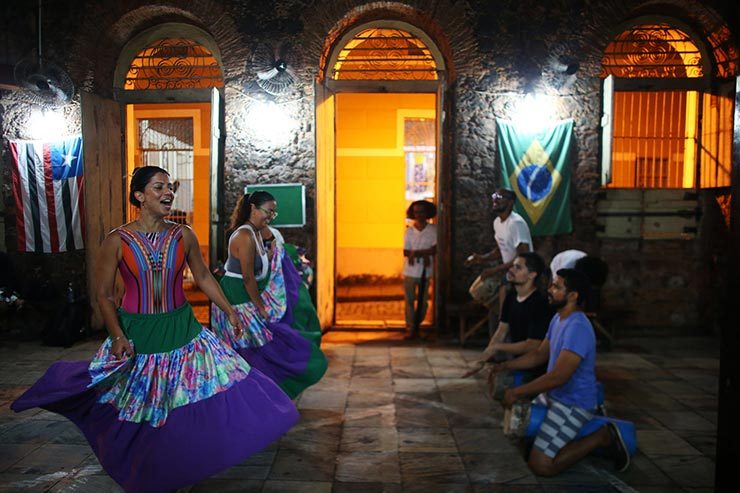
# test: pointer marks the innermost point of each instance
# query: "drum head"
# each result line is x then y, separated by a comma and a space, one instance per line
485, 291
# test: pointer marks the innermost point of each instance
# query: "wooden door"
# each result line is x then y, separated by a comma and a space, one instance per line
217, 213
443, 269
105, 181
325, 197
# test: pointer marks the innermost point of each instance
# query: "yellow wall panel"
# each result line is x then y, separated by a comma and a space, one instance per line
370, 181
351, 167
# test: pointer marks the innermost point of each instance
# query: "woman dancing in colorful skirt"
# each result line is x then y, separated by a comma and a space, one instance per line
303, 316
164, 404
263, 289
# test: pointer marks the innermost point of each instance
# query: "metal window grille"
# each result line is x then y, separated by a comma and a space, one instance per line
652, 50
724, 51
385, 54
173, 63
653, 144
168, 143
420, 156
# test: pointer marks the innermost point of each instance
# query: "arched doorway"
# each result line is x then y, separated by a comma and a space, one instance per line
169, 82
379, 147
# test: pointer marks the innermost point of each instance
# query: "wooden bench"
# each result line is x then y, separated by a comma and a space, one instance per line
471, 318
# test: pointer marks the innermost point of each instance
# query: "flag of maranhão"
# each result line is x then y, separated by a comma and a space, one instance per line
536, 165
48, 188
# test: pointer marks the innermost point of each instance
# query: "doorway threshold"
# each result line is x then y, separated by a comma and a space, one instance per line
368, 325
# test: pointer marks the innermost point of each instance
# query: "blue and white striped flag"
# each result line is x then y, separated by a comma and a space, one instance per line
49, 195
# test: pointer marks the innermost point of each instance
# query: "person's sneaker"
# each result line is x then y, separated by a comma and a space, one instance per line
617, 448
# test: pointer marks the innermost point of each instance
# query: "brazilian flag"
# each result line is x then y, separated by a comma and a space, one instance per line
536, 165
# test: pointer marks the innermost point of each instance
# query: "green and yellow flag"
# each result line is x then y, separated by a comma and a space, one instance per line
536, 165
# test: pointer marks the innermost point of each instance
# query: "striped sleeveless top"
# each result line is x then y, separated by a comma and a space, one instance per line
152, 268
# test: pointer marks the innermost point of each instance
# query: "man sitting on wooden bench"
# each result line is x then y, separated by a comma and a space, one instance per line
512, 236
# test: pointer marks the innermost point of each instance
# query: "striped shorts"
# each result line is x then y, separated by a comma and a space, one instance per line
561, 425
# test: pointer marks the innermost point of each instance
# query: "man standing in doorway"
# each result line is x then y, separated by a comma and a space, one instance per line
419, 249
512, 237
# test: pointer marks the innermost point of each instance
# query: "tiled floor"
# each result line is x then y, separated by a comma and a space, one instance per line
373, 305
396, 417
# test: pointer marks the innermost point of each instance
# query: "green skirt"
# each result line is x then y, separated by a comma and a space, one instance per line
160, 332
305, 318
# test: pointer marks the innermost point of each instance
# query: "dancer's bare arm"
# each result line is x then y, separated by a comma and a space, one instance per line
205, 280
105, 279
243, 248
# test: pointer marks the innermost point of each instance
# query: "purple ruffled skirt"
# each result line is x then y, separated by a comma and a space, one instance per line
158, 421
274, 347
197, 440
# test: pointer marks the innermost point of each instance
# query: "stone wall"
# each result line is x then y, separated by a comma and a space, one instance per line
495, 52
41, 276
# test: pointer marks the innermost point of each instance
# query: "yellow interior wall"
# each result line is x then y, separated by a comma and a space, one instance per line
370, 180
201, 115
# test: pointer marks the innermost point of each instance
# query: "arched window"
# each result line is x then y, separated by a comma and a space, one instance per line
664, 127
173, 63
381, 53
652, 50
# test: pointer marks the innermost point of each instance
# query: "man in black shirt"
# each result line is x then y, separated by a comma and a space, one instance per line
524, 317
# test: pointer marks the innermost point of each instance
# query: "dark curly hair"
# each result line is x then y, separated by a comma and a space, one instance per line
139, 179
578, 282
430, 210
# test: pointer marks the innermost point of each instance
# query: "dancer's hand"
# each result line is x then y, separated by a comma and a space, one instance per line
236, 323
121, 347
263, 313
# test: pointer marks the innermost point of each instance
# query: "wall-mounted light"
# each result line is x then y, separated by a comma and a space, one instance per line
566, 66
565, 69
45, 124
270, 124
534, 112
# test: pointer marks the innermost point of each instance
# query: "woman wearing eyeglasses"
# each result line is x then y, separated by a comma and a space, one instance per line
263, 293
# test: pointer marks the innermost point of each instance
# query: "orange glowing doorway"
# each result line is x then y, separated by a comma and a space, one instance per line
169, 80
177, 137
385, 156
380, 82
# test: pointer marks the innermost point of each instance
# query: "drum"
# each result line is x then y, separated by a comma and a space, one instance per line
485, 292
516, 419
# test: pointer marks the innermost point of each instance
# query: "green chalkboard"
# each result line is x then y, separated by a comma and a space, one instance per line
291, 203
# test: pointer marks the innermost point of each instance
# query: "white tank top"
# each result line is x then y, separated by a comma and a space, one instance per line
261, 261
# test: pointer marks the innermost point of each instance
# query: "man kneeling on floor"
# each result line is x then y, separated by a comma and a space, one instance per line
524, 320
569, 348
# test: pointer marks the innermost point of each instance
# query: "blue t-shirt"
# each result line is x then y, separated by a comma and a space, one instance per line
575, 334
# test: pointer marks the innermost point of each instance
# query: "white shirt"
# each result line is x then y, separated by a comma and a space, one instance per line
511, 233
413, 239
565, 260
